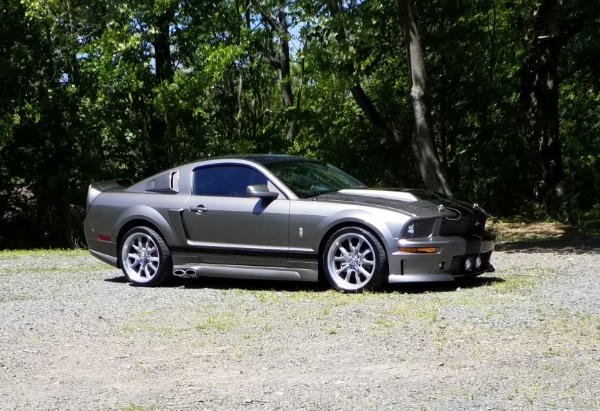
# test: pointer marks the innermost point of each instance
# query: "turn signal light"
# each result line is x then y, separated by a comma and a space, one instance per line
418, 249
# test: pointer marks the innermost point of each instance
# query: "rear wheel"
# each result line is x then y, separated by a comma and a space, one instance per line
354, 260
145, 257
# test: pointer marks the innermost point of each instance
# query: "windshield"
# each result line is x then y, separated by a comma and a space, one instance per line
309, 179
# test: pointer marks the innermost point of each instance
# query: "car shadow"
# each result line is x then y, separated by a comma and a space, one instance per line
442, 287
250, 285
297, 286
120, 279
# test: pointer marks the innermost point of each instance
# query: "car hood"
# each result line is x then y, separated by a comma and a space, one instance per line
416, 203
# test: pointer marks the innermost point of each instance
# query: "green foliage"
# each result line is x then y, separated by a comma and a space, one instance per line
110, 90
580, 128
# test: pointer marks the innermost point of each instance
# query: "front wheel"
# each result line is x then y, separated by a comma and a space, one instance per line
145, 257
354, 260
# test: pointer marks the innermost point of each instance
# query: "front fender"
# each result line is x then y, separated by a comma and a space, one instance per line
384, 225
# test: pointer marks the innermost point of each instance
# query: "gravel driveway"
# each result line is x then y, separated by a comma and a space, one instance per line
75, 336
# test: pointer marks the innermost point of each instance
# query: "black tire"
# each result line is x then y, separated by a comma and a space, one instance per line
145, 257
354, 261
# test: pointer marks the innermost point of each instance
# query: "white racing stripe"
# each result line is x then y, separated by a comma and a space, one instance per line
390, 195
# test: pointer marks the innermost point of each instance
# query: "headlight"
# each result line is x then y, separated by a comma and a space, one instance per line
410, 230
418, 228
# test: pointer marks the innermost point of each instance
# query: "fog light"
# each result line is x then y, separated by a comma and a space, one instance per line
478, 262
469, 263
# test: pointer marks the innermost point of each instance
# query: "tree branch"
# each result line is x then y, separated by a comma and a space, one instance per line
380, 125
274, 24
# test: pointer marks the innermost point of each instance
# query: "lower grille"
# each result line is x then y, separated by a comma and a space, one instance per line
457, 264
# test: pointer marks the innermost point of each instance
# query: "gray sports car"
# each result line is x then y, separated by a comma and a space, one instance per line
285, 218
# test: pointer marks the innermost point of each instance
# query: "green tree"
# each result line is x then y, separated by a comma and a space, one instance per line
548, 29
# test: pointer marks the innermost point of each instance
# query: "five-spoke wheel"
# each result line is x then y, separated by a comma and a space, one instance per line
354, 260
145, 258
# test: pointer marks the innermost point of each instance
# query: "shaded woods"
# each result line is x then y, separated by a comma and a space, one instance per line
495, 101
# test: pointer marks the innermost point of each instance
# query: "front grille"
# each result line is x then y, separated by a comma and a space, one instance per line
463, 226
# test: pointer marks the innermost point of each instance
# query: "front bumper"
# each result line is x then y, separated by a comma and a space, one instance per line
446, 264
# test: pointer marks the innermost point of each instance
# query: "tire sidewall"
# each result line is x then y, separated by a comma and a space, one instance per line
378, 278
165, 262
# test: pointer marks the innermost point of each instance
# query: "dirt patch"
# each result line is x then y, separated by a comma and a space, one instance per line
540, 235
512, 231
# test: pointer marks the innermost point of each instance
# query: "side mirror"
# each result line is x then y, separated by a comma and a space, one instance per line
261, 191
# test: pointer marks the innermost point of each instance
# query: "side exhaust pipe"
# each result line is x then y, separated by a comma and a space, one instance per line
185, 273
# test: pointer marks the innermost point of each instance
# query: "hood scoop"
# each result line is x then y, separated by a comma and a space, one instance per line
388, 195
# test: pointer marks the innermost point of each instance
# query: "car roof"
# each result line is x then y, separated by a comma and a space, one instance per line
265, 159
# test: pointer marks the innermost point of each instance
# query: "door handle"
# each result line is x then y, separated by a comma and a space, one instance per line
198, 209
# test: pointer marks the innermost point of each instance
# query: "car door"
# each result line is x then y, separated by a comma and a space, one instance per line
224, 226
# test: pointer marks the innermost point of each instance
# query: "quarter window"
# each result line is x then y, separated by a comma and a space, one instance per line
226, 181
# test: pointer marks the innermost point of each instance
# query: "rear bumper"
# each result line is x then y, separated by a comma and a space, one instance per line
102, 249
446, 264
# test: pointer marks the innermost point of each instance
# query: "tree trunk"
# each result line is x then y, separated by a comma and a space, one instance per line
539, 95
162, 128
285, 77
421, 143
282, 64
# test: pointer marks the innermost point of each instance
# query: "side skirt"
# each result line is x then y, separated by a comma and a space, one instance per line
245, 272
105, 258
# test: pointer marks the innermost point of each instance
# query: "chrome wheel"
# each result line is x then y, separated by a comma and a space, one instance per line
143, 256
351, 261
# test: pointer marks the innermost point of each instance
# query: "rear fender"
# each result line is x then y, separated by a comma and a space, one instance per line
100, 186
169, 225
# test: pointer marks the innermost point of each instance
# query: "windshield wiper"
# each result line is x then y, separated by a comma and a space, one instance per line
320, 193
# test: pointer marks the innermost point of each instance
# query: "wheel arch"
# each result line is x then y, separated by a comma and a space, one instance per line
345, 224
137, 222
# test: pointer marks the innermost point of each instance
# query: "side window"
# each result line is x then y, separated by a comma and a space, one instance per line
226, 181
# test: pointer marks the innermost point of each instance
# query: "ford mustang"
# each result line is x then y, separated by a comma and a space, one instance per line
281, 217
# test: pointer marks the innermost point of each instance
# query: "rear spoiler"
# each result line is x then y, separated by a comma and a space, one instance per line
98, 187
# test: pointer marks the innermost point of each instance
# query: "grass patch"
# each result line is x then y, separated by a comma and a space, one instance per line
321, 313
525, 278
515, 282
13, 297
59, 252
218, 323
7, 271
417, 310
266, 297
145, 326
159, 329
137, 407
153, 313
333, 297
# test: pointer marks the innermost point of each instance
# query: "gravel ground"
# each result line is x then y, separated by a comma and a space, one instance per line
75, 336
